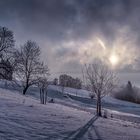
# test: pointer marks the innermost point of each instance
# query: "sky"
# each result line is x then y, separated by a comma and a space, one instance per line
71, 33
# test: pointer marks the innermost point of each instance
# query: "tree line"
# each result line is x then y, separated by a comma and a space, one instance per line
69, 81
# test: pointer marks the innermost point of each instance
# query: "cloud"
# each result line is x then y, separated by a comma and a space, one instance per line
64, 19
67, 30
86, 51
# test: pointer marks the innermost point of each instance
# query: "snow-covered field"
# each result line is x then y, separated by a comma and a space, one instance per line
24, 118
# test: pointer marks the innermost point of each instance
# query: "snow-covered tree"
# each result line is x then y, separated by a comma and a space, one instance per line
100, 80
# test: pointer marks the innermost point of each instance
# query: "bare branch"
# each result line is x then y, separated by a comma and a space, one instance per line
100, 79
28, 67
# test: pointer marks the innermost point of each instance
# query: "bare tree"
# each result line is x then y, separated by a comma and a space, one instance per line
62, 82
43, 85
6, 50
28, 67
6, 40
100, 80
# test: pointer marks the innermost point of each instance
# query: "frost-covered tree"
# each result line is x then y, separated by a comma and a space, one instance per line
128, 93
100, 80
28, 67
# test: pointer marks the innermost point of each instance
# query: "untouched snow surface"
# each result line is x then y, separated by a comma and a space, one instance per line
24, 118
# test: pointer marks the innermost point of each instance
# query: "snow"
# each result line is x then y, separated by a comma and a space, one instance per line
117, 108
23, 117
71, 91
112, 100
69, 118
107, 129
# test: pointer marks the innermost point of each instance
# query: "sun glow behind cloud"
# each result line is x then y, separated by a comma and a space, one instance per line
118, 53
114, 60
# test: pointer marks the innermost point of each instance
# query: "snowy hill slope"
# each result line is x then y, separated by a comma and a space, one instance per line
80, 99
24, 118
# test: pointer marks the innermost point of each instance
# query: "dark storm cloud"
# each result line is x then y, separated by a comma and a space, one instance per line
55, 21
48, 17
58, 19
107, 16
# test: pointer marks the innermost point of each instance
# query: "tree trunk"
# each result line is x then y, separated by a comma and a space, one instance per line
43, 96
98, 106
40, 95
46, 97
100, 112
24, 90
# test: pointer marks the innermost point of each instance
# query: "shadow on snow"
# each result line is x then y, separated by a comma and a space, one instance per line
80, 132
